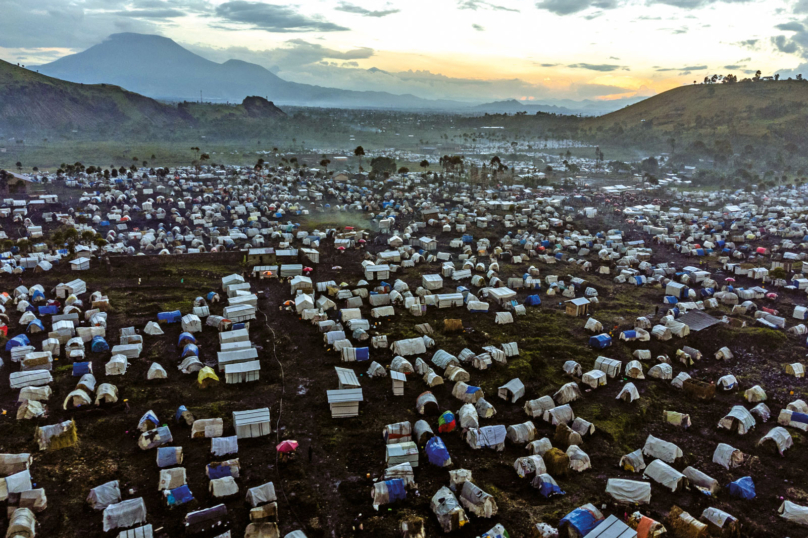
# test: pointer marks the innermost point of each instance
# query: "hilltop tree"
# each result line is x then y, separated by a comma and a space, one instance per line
324, 163
19, 166
382, 166
403, 170
424, 164
359, 152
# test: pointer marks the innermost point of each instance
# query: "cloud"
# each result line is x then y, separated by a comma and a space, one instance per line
792, 26
474, 5
359, 10
568, 7
784, 45
694, 4
549, 65
801, 6
152, 13
65, 25
478, 27
688, 68
597, 67
589, 91
273, 18
749, 43
734, 67
295, 54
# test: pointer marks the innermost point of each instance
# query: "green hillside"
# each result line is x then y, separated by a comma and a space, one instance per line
31, 103
767, 111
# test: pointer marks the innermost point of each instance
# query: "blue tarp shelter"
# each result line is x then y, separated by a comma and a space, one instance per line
19, 340
743, 488
600, 341
178, 496
169, 317
218, 471
167, 456
35, 326
51, 310
532, 300
580, 519
99, 345
436, 452
395, 490
186, 338
547, 488
188, 350
37, 296
81, 368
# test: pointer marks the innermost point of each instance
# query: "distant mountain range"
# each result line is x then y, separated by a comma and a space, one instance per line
158, 67
34, 103
555, 106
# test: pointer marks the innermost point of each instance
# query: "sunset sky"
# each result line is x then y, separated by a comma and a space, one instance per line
461, 49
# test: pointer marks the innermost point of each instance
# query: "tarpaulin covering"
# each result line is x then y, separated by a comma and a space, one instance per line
743, 488
99, 345
177, 496
168, 456
396, 490
547, 485
446, 422
436, 452
583, 519
186, 338
169, 317
19, 340
600, 341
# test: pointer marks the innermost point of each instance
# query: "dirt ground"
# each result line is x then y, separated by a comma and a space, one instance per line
326, 492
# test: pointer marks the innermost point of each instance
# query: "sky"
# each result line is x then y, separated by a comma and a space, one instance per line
473, 50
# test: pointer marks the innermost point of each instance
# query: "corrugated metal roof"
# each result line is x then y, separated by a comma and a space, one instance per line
612, 527
251, 416
345, 395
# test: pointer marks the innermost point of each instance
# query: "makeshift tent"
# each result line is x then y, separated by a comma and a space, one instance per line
738, 420
628, 491
727, 456
794, 513
124, 514
665, 451
743, 488
477, 501
778, 438
701, 481
448, 510
388, 492
665, 475
581, 521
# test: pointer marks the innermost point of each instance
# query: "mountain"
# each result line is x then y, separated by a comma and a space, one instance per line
556, 106
34, 103
160, 68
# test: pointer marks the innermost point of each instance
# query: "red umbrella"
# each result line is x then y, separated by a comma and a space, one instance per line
287, 447
340, 248
729, 280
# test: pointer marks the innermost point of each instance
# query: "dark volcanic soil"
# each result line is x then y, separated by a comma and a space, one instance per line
330, 495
